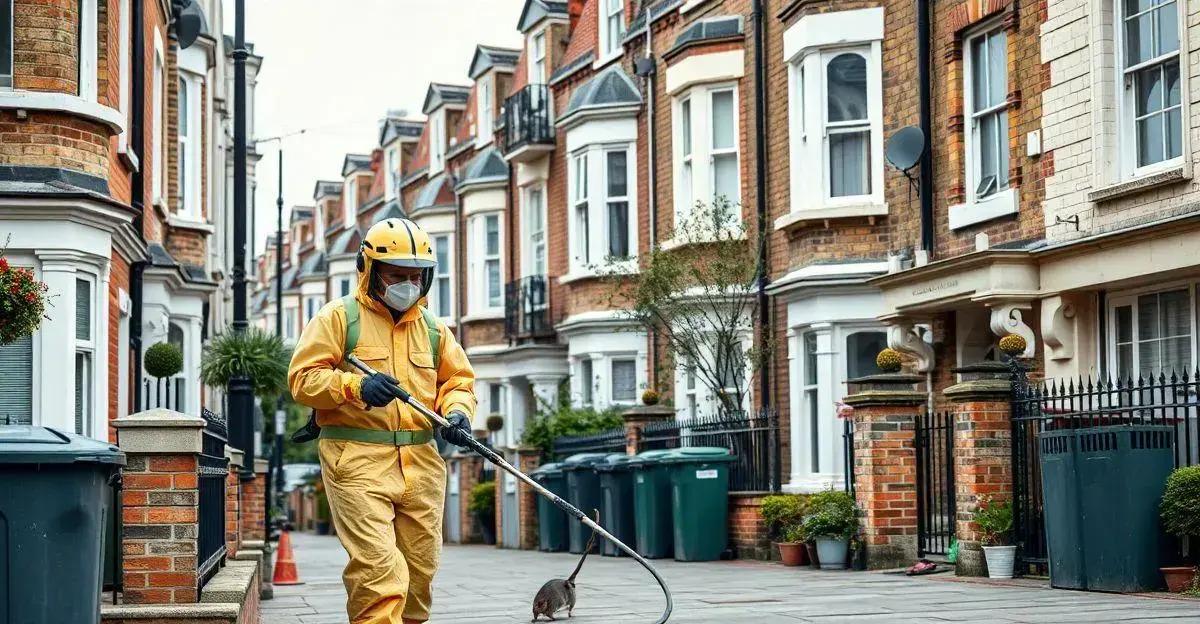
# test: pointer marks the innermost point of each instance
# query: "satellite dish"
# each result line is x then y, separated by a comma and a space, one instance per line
905, 148
190, 24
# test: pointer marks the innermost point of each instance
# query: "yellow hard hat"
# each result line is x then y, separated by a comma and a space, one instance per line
398, 242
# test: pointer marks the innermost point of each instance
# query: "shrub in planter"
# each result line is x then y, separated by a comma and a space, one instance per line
832, 520
784, 514
260, 355
482, 507
1180, 513
995, 521
23, 302
163, 360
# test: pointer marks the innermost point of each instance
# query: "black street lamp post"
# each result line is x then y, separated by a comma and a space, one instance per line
241, 396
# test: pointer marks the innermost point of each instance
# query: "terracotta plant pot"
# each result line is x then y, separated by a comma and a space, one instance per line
793, 553
813, 560
1179, 578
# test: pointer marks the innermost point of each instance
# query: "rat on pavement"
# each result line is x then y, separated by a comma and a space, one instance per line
558, 594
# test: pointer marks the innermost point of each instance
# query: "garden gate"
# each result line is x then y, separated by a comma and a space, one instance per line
934, 441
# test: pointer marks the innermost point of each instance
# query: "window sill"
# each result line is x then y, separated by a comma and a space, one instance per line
689, 5
1001, 204
804, 216
609, 58
129, 158
184, 223
489, 315
65, 103
1138, 185
675, 243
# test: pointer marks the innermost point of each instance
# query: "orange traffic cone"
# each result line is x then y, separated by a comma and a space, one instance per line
285, 566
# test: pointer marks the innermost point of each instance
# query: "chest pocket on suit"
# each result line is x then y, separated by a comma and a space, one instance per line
375, 357
424, 375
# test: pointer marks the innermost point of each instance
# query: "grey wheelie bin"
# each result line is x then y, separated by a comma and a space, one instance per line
700, 501
616, 487
653, 522
583, 491
552, 521
54, 503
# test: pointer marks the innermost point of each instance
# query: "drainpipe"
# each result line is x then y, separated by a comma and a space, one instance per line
925, 86
137, 190
652, 151
760, 175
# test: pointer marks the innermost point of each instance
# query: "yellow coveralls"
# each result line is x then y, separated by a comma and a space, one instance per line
386, 501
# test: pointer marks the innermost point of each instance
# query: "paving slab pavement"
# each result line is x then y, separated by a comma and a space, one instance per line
483, 585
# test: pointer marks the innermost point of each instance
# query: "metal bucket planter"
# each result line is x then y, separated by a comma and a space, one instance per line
832, 552
1000, 561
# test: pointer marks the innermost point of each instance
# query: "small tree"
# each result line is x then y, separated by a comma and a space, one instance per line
698, 292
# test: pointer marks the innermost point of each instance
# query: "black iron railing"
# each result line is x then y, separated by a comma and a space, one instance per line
752, 437
1049, 405
936, 494
611, 441
213, 469
848, 452
526, 118
527, 308
166, 392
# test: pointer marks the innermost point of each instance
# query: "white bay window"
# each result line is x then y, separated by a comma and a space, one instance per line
441, 292
707, 148
1152, 109
486, 294
1153, 333
835, 115
602, 226
85, 354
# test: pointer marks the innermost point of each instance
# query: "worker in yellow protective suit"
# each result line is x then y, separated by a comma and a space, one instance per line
383, 475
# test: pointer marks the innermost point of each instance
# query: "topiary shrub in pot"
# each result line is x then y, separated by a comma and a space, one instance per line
831, 521
482, 506
1180, 513
784, 517
163, 360
995, 521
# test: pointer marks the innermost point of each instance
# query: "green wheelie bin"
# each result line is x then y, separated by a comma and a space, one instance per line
616, 487
583, 491
700, 501
552, 521
653, 522
54, 503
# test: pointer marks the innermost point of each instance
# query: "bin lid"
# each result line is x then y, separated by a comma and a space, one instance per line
617, 462
646, 458
25, 444
548, 470
698, 454
583, 460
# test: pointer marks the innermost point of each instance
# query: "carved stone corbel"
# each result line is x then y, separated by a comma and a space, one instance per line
907, 338
1008, 318
1058, 327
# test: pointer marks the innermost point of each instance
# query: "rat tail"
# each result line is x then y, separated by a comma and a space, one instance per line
587, 549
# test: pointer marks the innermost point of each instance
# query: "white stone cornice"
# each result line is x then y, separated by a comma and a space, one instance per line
64, 103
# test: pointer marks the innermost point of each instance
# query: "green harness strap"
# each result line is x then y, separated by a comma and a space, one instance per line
353, 329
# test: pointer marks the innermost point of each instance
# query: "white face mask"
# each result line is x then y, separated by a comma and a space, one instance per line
402, 296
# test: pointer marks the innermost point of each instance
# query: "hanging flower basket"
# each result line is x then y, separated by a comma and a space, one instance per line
23, 302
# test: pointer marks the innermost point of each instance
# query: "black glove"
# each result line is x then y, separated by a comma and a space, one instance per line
459, 432
309, 432
378, 390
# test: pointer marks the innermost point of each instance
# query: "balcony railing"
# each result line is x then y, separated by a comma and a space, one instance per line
526, 119
527, 308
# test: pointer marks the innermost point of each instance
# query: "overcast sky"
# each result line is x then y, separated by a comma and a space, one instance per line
337, 67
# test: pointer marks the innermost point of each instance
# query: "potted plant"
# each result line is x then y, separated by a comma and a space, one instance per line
482, 507
995, 521
1180, 513
784, 516
255, 353
163, 360
832, 521
23, 301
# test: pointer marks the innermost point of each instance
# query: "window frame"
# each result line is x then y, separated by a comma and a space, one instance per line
714, 152
158, 121
479, 258
611, 43
530, 266
1125, 86
694, 171
437, 143
189, 146
483, 111
1130, 298
88, 348
587, 382
125, 86
392, 165
608, 200
973, 143
350, 194
589, 225
580, 239
6, 78
613, 360
443, 272
537, 57
845, 127
89, 83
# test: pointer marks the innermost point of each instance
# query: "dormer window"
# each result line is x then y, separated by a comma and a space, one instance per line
392, 174
437, 144
483, 110
351, 196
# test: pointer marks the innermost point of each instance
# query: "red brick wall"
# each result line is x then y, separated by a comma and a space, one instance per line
118, 280
46, 45
252, 508
233, 536
159, 511
747, 531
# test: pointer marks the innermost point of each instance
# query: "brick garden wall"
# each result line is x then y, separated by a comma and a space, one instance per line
159, 541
